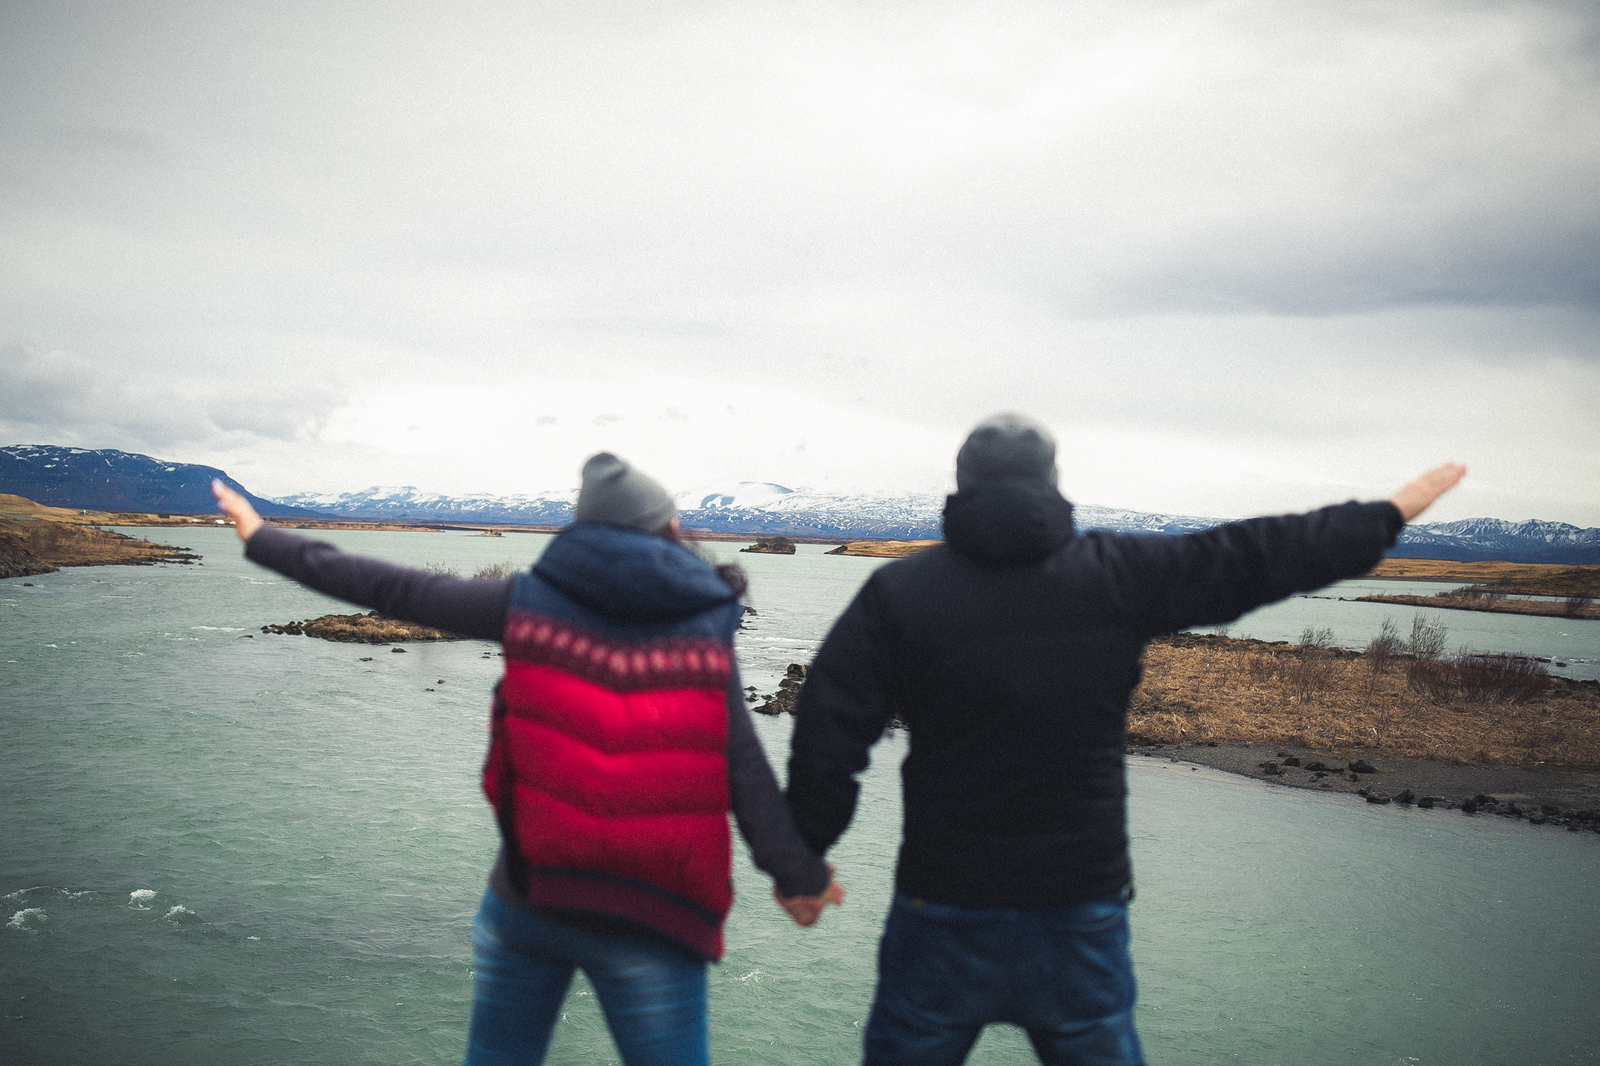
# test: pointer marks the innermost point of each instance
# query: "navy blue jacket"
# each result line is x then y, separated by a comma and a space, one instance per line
650, 580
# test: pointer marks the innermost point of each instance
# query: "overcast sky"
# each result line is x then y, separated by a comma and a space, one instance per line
1243, 257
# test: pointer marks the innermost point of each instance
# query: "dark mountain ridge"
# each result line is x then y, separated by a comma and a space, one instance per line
109, 480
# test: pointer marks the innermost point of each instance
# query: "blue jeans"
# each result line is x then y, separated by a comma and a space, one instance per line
653, 992
1063, 974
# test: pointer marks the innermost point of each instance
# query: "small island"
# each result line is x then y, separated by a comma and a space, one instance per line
1495, 587
771, 546
1495, 602
369, 628
883, 549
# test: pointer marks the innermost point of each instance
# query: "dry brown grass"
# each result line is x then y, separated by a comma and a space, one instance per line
1493, 606
20, 506
1199, 689
65, 544
884, 549
1528, 579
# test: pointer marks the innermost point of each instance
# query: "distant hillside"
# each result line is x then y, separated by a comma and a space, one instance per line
109, 480
112, 480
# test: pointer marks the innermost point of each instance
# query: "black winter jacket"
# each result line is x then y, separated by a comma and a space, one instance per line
1010, 651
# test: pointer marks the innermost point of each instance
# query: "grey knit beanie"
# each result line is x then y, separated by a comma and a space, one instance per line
1006, 446
615, 492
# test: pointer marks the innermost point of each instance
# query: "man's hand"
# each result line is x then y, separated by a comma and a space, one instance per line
235, 506
1415, 497
805, 910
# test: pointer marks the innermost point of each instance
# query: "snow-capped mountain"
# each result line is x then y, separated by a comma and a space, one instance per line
1533, 541
762, 507
765, 508
754, 507
407, 503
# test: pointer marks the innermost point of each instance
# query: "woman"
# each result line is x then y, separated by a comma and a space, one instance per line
619, 742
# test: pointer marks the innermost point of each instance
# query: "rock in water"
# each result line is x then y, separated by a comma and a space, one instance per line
771, 546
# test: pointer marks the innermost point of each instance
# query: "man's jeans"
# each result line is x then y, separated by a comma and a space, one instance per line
1063, 974
653, 993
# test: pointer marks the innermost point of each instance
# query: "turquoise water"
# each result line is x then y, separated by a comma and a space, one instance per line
226, 847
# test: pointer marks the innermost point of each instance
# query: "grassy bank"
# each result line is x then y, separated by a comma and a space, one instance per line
1515, 579
883, 549
1496, 711
39, 544
1577, 606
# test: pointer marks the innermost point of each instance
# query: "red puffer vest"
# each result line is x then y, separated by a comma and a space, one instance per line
607, 766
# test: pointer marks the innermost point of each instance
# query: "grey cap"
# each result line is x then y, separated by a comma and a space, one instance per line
614, 492
1006, 446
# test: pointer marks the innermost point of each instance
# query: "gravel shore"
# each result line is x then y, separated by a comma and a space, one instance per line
1539, 795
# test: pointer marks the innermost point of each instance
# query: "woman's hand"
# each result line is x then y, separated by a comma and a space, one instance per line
1416, 496
236, 507
805, 910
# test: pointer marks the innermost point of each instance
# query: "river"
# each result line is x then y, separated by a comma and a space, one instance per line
224, 847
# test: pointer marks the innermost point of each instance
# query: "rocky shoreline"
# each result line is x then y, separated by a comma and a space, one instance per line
31, 549
1561, 796
1576, 607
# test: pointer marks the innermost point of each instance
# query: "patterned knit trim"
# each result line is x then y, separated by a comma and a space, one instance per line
668, 661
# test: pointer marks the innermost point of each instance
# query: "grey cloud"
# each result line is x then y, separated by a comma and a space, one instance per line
1463, 268
57, 398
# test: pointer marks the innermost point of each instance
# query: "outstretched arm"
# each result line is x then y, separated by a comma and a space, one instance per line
471, 608
1418, 495
236, 507
1172, 583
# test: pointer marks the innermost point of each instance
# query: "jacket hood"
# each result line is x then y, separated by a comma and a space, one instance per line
1007, 521
629, 574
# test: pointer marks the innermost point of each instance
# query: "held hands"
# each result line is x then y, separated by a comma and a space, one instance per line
1416, 496
235, 506
805, 910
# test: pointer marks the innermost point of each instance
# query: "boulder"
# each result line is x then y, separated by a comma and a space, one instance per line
788, 695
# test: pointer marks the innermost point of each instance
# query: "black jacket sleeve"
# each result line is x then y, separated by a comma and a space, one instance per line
760, 812
843, 710
475, 608
1211, 577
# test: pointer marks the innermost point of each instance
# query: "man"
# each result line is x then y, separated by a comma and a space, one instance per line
1010, 651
